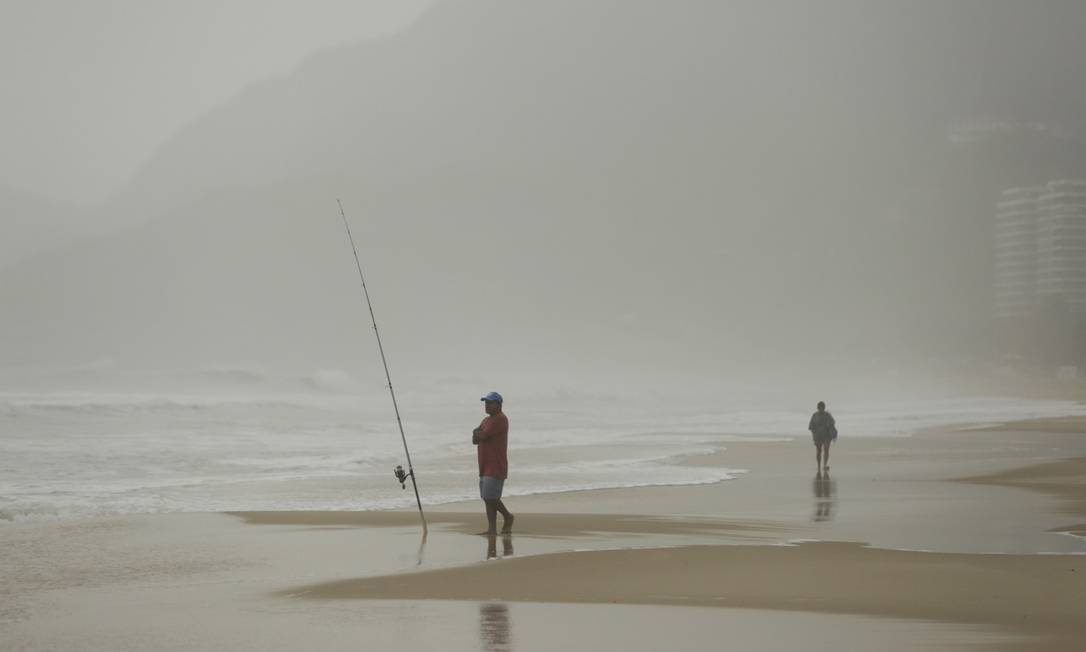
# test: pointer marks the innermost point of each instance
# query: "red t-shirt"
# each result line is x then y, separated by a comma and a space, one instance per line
492, 459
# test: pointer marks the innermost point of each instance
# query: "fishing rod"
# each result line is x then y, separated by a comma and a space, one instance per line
400, 474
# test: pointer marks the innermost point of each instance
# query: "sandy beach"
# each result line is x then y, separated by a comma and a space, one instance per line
514, 325
971, 537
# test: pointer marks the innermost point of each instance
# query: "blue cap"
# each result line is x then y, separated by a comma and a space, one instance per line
492, 396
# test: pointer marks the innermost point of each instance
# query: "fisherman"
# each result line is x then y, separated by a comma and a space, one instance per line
824, 430
491, 438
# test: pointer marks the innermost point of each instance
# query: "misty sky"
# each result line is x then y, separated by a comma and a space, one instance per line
91, 88
696, 186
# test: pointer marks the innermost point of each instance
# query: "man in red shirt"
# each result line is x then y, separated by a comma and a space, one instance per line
491, 438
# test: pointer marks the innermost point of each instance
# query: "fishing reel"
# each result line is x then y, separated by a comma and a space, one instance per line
401, 475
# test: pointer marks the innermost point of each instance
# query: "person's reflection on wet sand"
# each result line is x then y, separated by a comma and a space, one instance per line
494, 629
492, 545
825, 491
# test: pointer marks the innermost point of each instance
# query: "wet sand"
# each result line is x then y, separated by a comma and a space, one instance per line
552, 526
935, 541
1065, 480
1034, 595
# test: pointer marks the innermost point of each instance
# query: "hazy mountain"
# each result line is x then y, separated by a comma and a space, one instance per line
34, 224
624, 186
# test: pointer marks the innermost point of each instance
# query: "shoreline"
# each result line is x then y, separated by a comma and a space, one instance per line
1033, 598
539, 525
965, 529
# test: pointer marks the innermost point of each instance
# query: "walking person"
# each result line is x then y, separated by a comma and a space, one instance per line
824, 430
491, 439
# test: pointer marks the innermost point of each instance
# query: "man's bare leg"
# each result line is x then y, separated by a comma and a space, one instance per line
507, 517
818, 457
826, 458
491, 516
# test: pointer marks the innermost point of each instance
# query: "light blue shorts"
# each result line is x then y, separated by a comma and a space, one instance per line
490, 488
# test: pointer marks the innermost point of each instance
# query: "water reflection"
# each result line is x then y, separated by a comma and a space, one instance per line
494, 627
422, 548
825, 491
492, 545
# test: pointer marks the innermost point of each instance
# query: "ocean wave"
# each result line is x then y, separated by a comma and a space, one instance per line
20, 512
216, 502
621, 464
128, 404
695, 477
247, 374
105, 373
330, 380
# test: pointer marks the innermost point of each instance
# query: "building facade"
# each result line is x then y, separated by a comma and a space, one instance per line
1015, 282
1040, 250
1061, 246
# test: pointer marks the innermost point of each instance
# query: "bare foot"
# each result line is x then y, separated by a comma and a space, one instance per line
507, 525
488, 533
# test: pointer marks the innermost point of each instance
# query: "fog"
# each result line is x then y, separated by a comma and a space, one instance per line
583, 193
92, 89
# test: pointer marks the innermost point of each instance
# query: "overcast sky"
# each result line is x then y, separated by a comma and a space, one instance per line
709, 188
90, 88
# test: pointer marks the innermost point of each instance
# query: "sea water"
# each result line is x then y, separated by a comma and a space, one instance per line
238, 442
